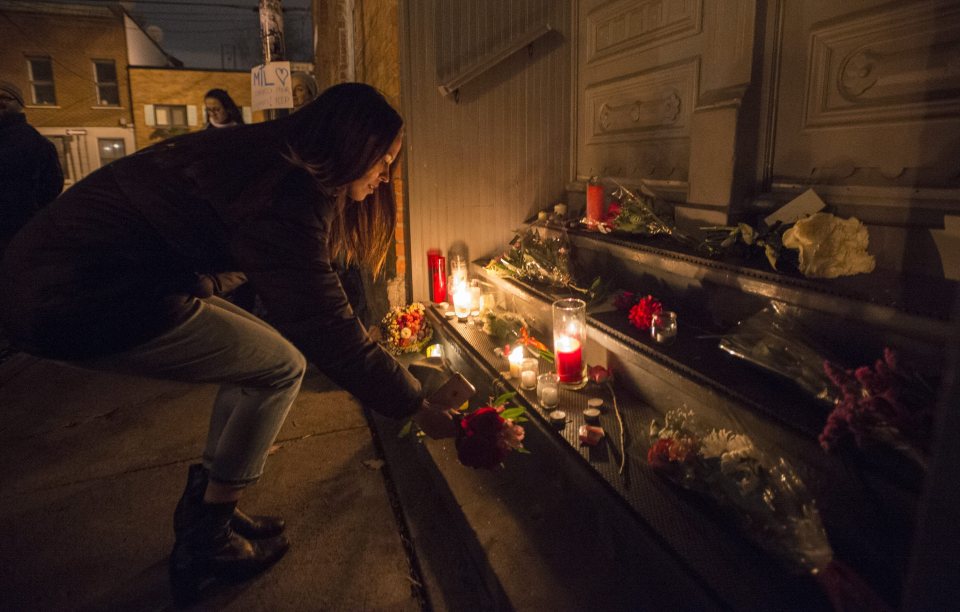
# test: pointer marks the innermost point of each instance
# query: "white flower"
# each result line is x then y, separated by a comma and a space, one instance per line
715, 443
829, 246
405, 333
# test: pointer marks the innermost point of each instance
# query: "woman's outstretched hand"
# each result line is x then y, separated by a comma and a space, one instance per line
436, 421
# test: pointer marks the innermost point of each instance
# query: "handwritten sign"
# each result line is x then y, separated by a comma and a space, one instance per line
271, 87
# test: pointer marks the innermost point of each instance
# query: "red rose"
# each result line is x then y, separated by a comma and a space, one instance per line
484, 422
659, 454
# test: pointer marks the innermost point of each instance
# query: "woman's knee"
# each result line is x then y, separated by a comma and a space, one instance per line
292, 368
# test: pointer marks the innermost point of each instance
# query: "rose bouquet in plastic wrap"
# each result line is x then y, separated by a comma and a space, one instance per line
763, 494
887, 404
490, 433
405, 329
543, 257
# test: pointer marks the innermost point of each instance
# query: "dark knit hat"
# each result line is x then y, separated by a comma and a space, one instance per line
13, 90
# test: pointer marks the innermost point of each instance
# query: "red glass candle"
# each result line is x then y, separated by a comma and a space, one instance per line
432, 255
569, 360
594, 203
439, 278
569, 340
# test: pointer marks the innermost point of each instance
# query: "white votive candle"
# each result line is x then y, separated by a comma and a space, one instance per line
529, 368
461, 303
549, 396
516, 359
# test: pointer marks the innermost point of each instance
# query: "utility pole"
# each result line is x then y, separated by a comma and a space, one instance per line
271, 38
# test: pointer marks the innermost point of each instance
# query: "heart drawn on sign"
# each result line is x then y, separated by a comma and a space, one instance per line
282, 74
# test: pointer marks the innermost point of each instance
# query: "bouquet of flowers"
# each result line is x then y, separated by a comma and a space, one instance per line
763, 494
405, 329
488, 434
745, 241
509, 328
819, 246
887, 403
635, 214
540, 257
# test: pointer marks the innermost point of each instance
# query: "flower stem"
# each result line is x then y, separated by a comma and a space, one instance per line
616, 411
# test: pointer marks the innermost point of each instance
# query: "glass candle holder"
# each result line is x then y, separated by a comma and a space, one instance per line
529, 368
569, 339
438, 277
461, 303
516, 359
663, 327
548, 390
458, 271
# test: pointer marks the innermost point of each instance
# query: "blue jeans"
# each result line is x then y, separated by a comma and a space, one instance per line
258, 370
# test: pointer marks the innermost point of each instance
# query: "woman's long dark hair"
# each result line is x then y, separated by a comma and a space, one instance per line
337, 138
233, 112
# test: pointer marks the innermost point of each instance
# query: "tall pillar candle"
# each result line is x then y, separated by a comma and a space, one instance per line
594, 203
569, 340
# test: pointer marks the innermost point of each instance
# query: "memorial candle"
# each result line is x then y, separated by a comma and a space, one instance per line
594, 202
569, 337
569, 359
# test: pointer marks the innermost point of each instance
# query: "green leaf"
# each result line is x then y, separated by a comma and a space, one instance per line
406, 429
523, 451
503, 399
513, 413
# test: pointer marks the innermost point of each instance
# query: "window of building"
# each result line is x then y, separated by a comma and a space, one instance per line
60, 142
170, 116
41, 80
111, 149
108, 90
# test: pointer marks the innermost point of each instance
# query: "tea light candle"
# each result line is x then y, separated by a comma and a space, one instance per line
592, 415
558, 418
461, 302
569, 359
528, 373
516, 359
548, 391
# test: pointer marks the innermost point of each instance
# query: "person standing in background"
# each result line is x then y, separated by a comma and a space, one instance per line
305, 88
30, 172
221, 110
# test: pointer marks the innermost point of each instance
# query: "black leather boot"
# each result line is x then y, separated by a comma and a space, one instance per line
254, 527
208, 549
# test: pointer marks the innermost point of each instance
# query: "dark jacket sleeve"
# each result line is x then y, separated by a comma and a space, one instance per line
285, 256
50, 174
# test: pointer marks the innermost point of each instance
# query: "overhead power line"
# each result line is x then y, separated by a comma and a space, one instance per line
190, 3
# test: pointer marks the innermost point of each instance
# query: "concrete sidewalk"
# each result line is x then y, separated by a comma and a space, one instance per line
94, 463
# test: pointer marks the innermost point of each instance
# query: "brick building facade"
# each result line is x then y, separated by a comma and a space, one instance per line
169, 101
70, 61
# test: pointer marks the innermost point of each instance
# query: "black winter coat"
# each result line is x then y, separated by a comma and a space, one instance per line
30, 174
110, 264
